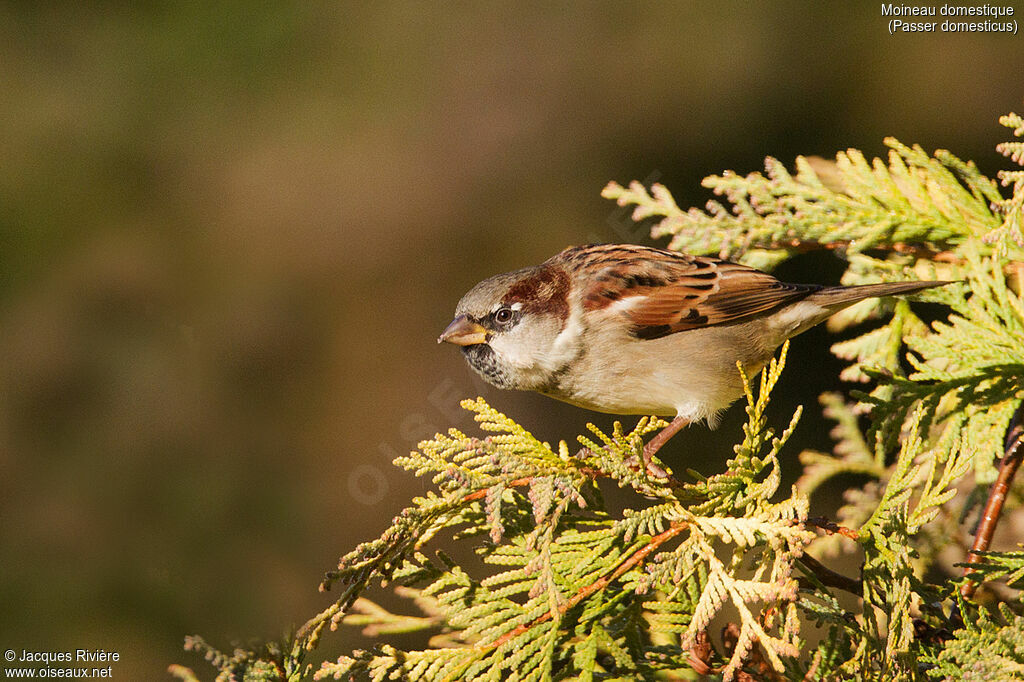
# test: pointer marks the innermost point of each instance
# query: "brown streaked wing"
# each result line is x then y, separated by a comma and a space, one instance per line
678, 292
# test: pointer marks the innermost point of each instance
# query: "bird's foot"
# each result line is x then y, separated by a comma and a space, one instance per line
663, 436
654, 470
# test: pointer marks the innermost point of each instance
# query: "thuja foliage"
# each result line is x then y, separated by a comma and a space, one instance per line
723, 574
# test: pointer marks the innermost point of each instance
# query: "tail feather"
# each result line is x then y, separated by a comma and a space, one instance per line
840, 297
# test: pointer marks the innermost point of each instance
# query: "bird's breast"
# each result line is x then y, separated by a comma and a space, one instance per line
691, 373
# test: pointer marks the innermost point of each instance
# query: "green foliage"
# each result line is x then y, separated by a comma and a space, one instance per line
1005, 566
990, 649
577, 591
1013, 208
567, 589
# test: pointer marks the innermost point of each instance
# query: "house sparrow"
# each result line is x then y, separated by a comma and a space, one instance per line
630, 329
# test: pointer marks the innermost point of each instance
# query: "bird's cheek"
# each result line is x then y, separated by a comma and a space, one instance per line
513, 354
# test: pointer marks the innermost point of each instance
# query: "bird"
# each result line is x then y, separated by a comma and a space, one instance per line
627, 329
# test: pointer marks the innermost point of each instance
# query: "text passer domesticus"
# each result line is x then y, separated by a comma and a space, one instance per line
630, 329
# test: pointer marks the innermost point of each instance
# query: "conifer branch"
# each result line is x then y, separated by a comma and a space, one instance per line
567, 588
832, 527
514, 483
831, 578
634, 560
997, 496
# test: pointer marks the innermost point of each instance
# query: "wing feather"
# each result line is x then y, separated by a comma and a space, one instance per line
662, 292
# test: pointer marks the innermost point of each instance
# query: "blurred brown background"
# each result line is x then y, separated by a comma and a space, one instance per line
232, 231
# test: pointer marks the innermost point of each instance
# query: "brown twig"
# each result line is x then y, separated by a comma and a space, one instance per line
526, 480
634, 559
829, 578
653, 470
918, 250
826, 575
663, 436
482, 493
700, 653
831, 527
996, 496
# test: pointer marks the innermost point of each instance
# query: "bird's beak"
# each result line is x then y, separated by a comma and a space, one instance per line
463, 332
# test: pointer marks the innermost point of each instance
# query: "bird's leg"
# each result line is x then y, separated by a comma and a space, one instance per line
652, 447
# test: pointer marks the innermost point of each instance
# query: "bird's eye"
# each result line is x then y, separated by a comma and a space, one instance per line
503, 315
